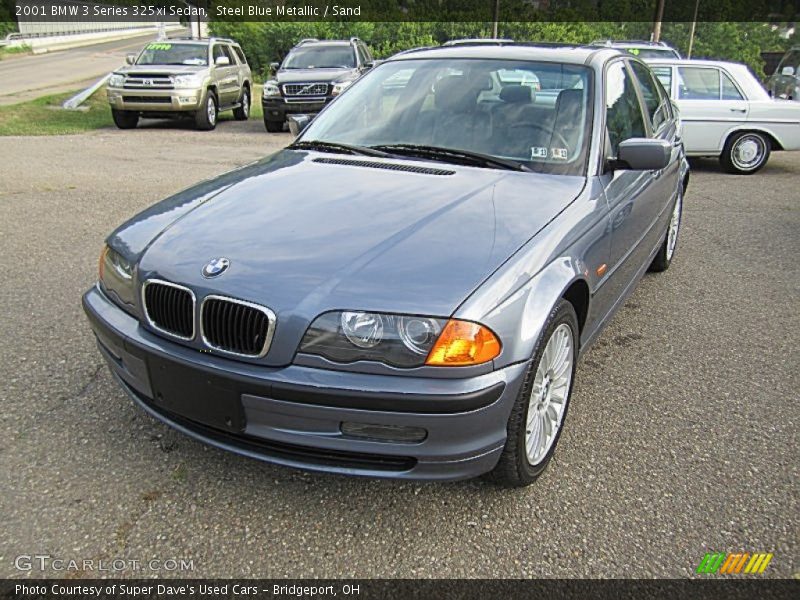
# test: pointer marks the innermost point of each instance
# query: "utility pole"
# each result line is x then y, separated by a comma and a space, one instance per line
496, 18
659, 18
694, 26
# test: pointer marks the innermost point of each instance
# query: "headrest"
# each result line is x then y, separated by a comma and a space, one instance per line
517, 94
455, 93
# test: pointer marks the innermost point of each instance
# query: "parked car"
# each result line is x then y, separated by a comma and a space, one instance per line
182, 77
404, 295
312, 74
640, 49
785, 82
727, 113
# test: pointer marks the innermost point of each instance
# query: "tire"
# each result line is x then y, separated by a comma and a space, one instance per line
515, 468
125, 119
205, 119
243, 112
745, 153
273, 126
663, 259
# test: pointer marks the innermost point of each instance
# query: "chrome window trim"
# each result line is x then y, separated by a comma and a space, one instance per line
271, 319
156, 327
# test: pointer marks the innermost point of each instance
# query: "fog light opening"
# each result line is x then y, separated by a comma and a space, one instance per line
384, 433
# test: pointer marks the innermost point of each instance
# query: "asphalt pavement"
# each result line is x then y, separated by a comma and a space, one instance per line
26, 77
682, 436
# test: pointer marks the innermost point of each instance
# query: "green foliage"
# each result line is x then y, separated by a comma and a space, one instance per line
739, 42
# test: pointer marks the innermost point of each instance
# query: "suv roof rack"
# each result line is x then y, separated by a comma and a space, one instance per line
638, 42
306, 41
478, 42
187, 38
354, 39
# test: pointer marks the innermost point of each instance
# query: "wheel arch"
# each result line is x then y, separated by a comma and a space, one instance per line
774, 143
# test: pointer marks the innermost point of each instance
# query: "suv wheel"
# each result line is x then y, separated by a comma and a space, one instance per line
537, 417
243, 112
273, 126
125, 119
206, 118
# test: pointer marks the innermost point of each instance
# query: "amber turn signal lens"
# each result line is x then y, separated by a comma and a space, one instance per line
102, 264
462, 343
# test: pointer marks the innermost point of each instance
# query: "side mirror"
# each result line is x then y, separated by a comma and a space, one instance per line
368, 65
274, 66
297, 123
130, 59
787, 70
643, 154
222, 61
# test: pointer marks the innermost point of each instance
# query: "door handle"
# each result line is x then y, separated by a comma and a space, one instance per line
739, 110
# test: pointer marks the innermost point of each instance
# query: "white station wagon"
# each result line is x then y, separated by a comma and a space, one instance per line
727, 113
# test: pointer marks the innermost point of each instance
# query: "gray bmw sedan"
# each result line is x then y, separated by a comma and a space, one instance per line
406, 289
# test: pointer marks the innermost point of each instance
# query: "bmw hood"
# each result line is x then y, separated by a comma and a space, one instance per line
307, 232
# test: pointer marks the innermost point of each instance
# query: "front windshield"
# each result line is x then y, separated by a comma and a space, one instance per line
165, 53
534, 113
320, 57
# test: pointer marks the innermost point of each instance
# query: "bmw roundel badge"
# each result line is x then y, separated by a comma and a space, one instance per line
216, 267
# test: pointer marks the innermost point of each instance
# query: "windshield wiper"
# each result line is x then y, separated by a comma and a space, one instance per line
324, 146
453, 155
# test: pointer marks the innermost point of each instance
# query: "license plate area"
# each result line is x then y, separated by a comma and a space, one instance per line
196, 395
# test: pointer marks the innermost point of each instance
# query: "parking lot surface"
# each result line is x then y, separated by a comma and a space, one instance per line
681, 437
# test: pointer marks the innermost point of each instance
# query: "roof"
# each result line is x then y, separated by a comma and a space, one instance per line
741, 72
578, 55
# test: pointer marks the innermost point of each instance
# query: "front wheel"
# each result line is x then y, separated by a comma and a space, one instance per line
537, 417
205, 118
125, 119
745, 153
273, 126
663, 258
243, 112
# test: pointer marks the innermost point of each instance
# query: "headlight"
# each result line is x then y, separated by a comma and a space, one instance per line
116, 80
116, 277
183, 81
271, 90
399, 340
339, 87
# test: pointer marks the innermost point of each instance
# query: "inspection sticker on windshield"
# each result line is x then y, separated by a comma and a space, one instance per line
559, 153
538, 152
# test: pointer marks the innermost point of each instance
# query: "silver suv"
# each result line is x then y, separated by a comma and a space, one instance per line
182, 77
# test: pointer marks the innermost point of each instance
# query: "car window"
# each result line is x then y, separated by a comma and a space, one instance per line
792, 59
729, 89
320, 57
698, 83
229, 53
166, 53
240, 54
624, 119
217, 52
656, 99
362, 58
664, 75
460, 104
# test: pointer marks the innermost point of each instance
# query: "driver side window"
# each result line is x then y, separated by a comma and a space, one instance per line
624, 119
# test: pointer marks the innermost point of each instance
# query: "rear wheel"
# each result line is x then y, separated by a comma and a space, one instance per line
663, 259
243, 112
745, 153
125, 119
205, 118
537, 417
273, 126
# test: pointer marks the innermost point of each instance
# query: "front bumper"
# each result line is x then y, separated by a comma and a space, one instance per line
293, 415
153, 100
277, 108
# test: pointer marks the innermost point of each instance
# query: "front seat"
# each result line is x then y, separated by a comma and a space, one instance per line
568, 121
518, 125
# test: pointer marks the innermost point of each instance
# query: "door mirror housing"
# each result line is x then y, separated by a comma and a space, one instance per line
274, 66
787, 70
642, 154
130, 59
222, 61
297, 123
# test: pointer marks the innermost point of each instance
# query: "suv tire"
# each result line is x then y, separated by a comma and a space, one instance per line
243, 112
125, 119
205, 119
273, 126
515, 469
